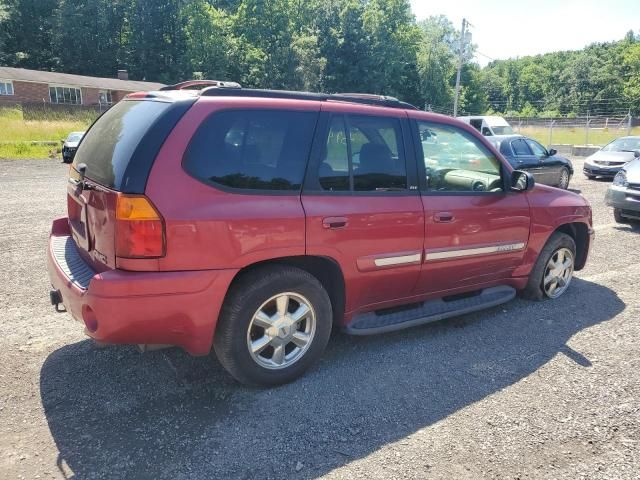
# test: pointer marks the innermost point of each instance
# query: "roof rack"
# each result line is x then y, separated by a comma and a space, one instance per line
363, 98
201, 84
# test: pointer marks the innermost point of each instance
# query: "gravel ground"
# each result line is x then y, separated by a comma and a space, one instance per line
526, 390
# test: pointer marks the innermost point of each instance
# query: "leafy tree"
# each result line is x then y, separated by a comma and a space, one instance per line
155, 41
29, 33
91, 36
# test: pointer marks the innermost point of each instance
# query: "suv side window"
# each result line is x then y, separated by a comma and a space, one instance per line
455, 161
333, 172
252, 149
520, 147
363, 154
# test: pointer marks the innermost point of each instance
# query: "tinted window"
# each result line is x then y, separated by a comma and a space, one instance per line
536, 148
520, 147
456, 161
109, 144
369, 148
334, 167
252, 149
505, 148
377, 163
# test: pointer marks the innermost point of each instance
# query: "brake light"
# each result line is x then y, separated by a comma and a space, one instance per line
139, 228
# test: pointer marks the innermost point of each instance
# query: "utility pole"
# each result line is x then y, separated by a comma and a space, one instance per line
460, 56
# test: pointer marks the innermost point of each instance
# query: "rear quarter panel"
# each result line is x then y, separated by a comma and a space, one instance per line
207, 228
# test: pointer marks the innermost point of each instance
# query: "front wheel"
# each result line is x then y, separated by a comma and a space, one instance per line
275, 324
617, 216
565, 176
553, 270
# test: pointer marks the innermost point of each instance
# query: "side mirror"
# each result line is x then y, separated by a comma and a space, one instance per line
522, 181
552, 152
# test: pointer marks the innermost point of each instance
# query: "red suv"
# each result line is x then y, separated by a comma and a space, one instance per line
252, 221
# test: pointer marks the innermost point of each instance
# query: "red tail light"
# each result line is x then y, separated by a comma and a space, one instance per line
139, 228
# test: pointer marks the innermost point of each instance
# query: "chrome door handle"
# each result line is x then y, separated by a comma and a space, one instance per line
444, 217
334, 222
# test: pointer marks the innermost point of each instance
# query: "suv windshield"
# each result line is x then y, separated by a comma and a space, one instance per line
110, 143
623, 145
502, 130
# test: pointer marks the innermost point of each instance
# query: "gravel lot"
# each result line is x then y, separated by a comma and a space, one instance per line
526, 390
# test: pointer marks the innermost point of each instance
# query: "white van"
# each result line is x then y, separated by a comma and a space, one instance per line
489, 125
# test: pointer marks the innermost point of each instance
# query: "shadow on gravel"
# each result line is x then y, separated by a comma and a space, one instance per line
117, 414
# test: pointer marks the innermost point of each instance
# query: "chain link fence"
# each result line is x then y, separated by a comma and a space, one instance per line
587, 130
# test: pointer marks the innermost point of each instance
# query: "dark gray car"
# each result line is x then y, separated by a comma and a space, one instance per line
624, 194
525, 153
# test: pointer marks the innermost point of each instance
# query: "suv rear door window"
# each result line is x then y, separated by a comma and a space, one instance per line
363, 153
252, 149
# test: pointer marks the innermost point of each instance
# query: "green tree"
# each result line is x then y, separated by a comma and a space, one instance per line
91, 36
155, 43
29, 33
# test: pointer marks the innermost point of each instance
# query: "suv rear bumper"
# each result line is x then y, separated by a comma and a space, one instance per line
168, 308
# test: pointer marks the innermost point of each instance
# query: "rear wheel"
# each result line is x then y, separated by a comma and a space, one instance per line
553, 270
274, 325
565, 176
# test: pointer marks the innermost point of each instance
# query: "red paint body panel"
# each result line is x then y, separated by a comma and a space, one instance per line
377, 227
174, 308
477, 221
208, 228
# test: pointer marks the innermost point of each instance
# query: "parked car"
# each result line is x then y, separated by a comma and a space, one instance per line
624, 194
70, 146
488, 125
608, 161
526, 154
251, 221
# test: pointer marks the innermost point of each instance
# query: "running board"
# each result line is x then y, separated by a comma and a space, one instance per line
431, 311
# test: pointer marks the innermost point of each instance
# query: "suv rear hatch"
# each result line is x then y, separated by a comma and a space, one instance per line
109, 173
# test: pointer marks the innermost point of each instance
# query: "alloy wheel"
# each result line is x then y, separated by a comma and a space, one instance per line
281, 330
558, 273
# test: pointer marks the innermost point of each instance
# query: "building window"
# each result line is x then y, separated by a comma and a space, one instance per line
105, 97
6, 87
68, 95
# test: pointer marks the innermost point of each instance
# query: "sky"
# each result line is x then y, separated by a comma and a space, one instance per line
507, 29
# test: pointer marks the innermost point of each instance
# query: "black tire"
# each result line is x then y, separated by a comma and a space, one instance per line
560, 185
243, 301
617, 216
534, 289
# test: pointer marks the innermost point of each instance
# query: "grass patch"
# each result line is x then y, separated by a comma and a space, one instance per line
575, 136
26, 150
16, 133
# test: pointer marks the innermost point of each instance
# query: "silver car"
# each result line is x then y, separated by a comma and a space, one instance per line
608, 161
624, 194
70, 146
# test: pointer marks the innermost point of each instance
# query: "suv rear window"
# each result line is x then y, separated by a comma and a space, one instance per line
252, 149
109, 145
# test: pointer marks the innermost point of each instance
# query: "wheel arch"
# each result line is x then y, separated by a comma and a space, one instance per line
325, 269
579, 231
